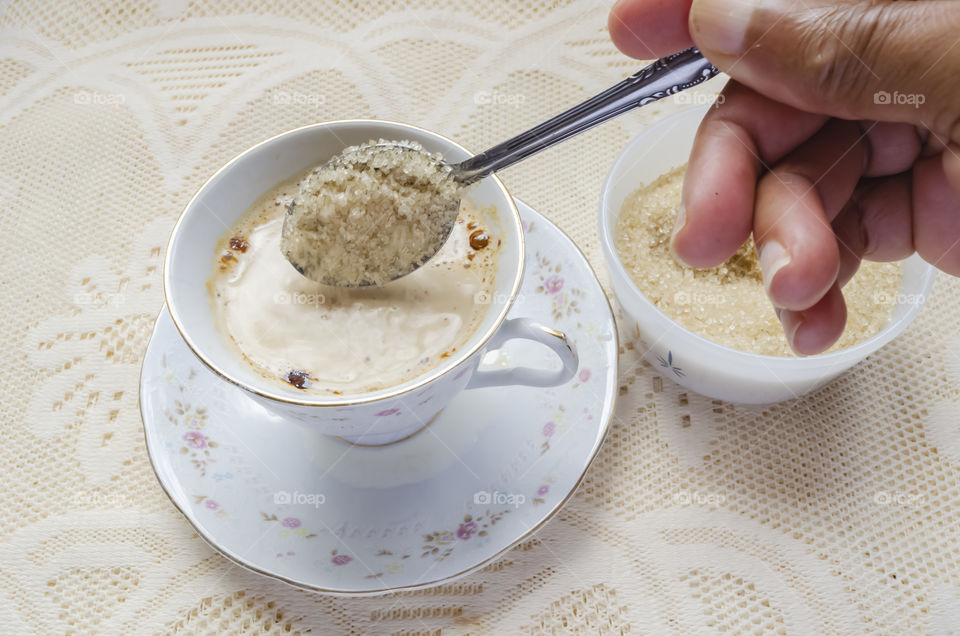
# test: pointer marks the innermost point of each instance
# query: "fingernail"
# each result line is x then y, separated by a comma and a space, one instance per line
773, 258
721, 25
678, 224
792, 321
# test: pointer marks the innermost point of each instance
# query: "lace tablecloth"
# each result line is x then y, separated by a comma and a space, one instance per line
837, 513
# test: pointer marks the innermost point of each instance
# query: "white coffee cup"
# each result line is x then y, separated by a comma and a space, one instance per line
377, 417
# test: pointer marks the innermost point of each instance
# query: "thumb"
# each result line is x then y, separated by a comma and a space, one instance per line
853, 59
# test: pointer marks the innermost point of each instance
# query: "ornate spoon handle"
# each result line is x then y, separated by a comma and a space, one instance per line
664, 77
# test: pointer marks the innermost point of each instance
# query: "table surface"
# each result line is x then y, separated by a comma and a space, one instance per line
835, 513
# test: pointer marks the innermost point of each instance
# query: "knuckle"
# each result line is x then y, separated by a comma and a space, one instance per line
841, 45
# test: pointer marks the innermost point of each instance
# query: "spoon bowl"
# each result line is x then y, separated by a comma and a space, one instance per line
392, 188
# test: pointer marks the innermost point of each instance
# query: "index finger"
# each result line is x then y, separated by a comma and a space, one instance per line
740, 138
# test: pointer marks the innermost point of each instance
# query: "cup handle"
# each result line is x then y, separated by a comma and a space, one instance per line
528, 330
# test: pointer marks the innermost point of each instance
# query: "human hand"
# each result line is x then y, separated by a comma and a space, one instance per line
837, 139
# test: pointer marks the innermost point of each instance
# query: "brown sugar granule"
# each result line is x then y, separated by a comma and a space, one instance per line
728, 304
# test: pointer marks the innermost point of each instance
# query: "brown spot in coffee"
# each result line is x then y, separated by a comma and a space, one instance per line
239, 244
479, 239
299, 379
471, 225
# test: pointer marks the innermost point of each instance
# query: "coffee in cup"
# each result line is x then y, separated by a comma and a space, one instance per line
327, 340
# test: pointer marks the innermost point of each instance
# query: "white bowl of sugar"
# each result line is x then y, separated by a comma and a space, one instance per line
702, 364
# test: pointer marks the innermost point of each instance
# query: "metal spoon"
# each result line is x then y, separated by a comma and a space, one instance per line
666, 76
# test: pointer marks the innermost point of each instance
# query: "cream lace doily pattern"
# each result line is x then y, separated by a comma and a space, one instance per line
835, 513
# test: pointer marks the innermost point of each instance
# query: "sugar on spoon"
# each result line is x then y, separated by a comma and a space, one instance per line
664, 77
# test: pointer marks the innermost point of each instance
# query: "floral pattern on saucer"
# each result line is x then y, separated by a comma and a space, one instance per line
440, 544
291, 503
564, 299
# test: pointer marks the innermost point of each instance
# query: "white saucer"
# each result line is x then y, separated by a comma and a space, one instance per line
290, 503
